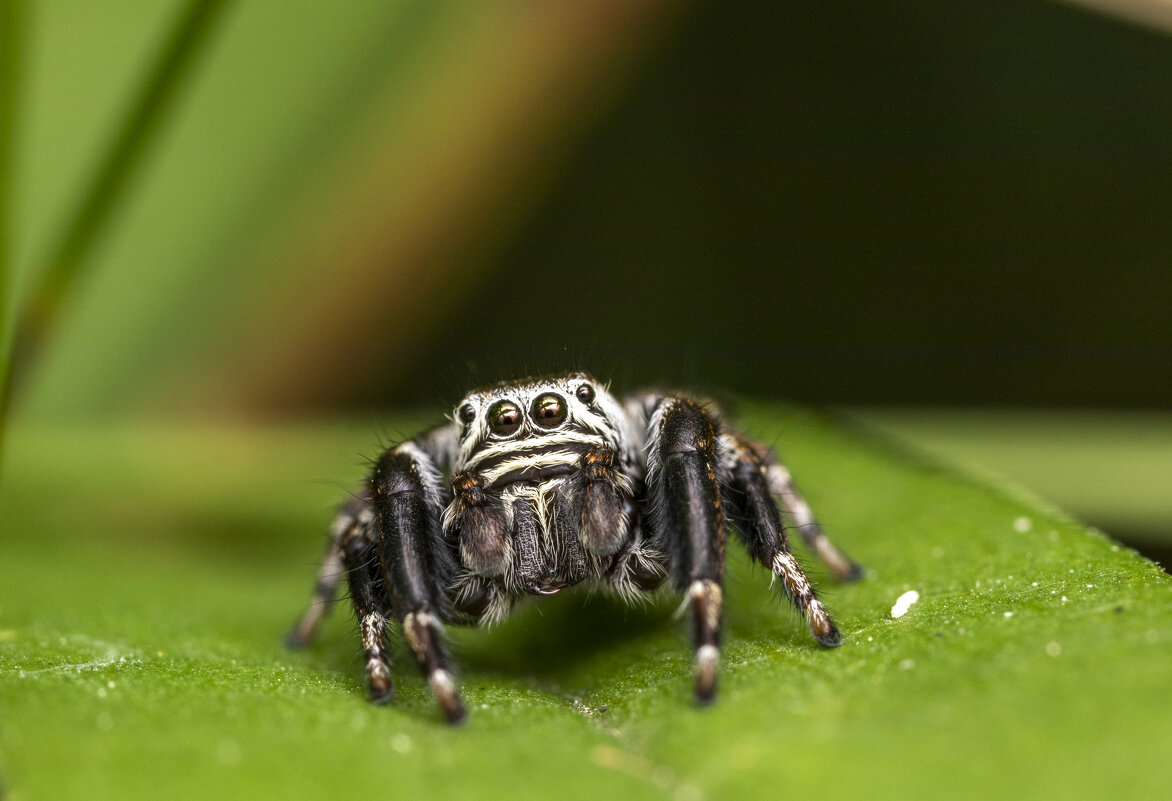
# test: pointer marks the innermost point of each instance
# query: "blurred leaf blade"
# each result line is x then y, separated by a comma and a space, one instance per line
152, 623
141, 125
11, 49
323, 152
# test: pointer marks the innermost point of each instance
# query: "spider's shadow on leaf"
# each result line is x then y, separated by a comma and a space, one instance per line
548, 637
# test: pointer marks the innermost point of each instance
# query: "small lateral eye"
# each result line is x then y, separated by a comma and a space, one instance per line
467, 413
585, 393
549, 410
504, 418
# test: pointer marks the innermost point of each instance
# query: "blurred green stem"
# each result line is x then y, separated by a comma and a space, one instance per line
88, 220
10, 54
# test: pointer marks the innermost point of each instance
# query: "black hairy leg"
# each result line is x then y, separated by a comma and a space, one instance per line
688, 520
328, 574
371, 608
416, 561
353, 549
781, 485
759, 525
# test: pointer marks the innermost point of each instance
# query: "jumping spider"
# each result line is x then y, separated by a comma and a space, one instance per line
538, 484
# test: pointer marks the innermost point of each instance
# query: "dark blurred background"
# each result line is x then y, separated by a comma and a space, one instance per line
949, 219
963, 203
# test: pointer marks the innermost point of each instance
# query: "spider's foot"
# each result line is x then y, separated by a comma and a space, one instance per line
853, 572
829, 638
305, 629
296, 639
842, 566
444, 687
382, 690
707, 662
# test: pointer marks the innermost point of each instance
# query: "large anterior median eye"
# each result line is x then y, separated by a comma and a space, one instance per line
504, 418
549, 410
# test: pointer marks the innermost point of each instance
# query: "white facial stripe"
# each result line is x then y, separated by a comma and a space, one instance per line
497, 449
540, 461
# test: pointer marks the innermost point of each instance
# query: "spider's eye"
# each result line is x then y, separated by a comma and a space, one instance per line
504, 418
467, 413
585, 393
549, 410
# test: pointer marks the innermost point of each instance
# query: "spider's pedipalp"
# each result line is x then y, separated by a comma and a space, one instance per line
602, 494
476, 518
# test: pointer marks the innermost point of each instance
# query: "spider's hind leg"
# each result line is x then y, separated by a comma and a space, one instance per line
328, 574
781, 485
688, 521
759, 525
372, 608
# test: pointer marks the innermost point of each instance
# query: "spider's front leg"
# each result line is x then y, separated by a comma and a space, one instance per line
688, 521
406, 494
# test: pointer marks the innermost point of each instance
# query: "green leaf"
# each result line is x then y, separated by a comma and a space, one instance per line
148, 576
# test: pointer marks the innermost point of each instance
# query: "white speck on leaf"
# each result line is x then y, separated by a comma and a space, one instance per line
1022, 525
904, 603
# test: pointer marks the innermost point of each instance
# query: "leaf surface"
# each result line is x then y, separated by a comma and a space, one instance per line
147, 576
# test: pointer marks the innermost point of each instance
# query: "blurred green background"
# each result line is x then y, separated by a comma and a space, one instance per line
267, 210
236, 238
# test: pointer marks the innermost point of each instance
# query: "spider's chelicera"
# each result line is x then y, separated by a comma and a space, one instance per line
540, 484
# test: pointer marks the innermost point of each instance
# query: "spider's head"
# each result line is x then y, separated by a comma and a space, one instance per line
535, 415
